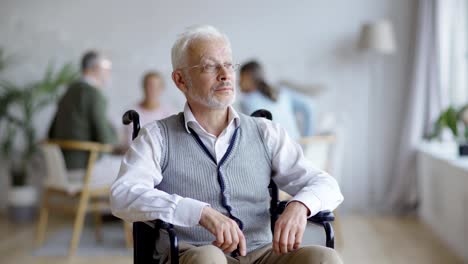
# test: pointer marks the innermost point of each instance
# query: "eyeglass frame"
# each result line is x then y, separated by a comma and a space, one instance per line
234, 67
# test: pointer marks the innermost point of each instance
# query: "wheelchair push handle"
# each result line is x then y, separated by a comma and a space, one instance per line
132, 116
263, 113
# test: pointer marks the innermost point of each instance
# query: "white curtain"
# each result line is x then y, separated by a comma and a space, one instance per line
425, 101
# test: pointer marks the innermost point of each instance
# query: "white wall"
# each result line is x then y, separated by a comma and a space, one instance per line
306, 41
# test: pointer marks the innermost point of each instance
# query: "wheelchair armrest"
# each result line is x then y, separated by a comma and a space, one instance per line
144, 239
281, 207
172, 238
320, 217
164, 225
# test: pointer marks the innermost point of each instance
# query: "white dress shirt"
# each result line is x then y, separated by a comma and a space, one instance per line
135, 198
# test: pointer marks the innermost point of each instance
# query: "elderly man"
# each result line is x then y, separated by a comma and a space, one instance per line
82, 115
207, 170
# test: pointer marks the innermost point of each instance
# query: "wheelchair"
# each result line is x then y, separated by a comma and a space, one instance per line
145, 236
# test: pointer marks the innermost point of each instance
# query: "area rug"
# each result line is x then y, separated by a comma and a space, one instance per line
112, 244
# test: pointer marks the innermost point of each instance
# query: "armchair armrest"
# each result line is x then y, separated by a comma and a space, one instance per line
80, 145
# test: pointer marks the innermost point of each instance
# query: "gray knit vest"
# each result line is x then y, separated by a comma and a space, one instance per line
237, 186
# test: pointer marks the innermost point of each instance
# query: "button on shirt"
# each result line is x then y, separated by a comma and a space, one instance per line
135, 197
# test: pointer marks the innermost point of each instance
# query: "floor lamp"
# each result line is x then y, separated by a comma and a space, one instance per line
376, 40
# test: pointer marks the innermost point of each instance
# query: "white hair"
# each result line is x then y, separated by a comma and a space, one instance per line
179, 49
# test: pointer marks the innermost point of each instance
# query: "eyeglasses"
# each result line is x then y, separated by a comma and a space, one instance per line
214, 67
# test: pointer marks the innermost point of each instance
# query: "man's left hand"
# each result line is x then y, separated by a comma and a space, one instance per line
289, 228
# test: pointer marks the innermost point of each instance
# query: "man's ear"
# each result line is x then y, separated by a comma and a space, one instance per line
179, 81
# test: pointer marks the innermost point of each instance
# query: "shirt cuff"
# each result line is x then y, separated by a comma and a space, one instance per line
310, 201
188, 212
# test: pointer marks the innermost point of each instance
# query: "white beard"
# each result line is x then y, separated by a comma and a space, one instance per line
210, 101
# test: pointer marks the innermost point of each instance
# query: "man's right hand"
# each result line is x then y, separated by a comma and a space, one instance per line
227, 232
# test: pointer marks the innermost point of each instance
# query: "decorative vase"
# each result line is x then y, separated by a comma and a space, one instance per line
22, 204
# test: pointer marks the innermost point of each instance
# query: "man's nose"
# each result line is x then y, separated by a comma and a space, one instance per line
224, 73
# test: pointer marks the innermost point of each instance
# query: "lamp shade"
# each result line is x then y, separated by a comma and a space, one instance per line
378, 37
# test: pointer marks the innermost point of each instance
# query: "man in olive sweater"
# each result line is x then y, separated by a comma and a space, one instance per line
81, 115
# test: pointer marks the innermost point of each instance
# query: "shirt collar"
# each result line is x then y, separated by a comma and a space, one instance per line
190, 119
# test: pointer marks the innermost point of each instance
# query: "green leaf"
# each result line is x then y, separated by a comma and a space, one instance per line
8, 141
3, 60
451, 120
448, 118
53, 82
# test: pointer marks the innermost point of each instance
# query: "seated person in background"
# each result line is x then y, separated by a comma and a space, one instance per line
81, 115
284, 104
151, 107
207, 170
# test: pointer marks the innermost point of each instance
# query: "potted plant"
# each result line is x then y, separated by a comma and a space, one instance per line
457, 122
19, 106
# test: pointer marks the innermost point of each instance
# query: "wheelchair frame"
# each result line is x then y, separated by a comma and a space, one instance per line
144, 236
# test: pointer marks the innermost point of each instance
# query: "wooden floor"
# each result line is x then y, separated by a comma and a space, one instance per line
366, 240
392, 240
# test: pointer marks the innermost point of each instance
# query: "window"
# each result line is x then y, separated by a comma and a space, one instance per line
453, 39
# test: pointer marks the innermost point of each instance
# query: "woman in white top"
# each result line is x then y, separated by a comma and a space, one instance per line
151, 107
284, 104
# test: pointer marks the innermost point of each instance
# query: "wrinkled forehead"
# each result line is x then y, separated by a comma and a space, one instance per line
215, 49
